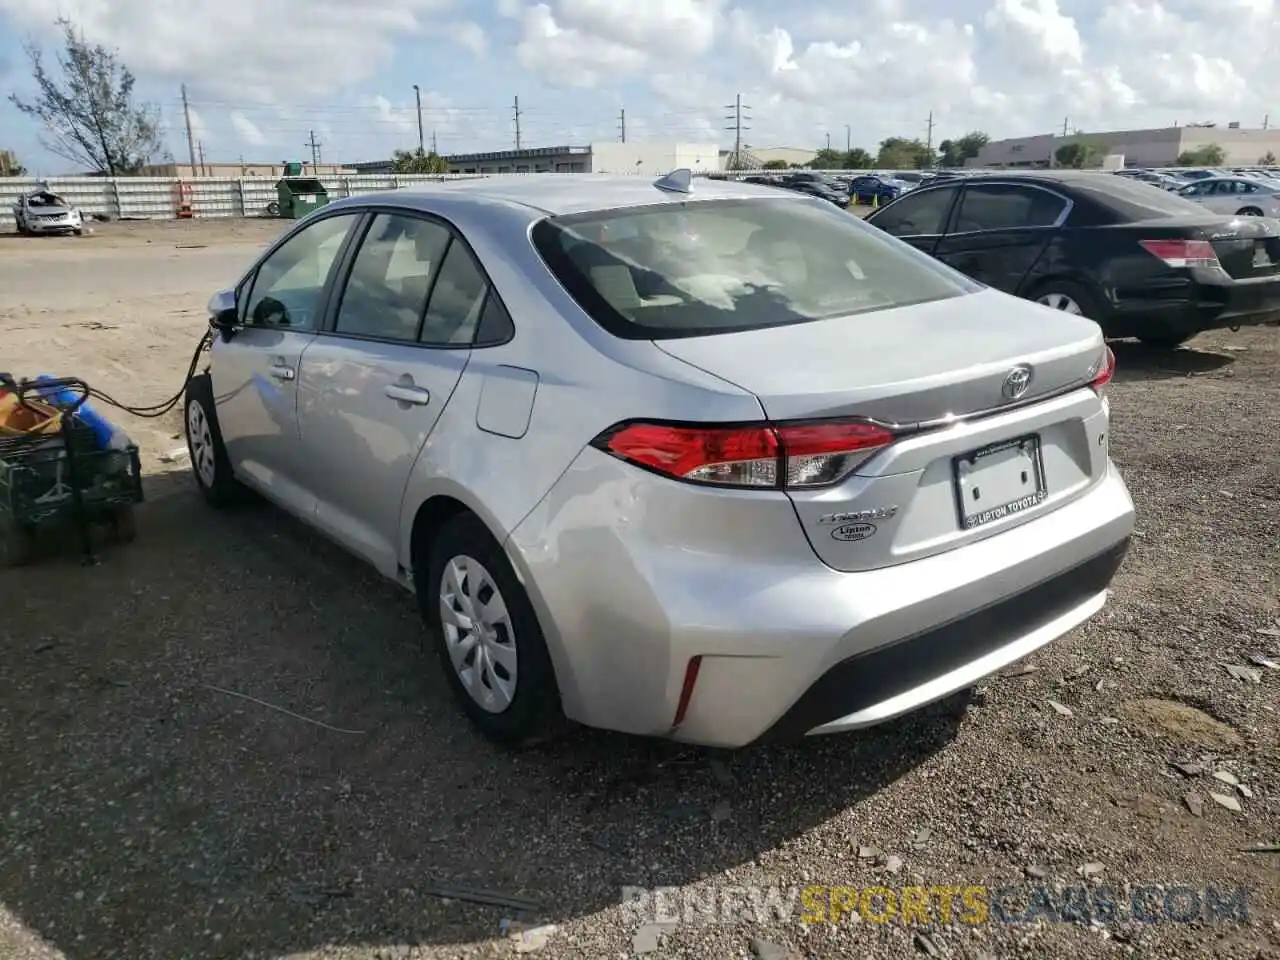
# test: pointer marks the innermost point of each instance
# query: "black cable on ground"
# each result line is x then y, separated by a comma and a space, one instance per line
159, 409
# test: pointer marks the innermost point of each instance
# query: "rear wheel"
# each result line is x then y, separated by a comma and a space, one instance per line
487, 635
1249, 212
1067, 296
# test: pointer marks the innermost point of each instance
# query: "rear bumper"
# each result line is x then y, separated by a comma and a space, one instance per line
1188, 306
620, 567
886, 682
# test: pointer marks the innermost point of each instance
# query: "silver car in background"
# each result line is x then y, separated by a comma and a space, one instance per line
687, 459
44, 212
1236, 196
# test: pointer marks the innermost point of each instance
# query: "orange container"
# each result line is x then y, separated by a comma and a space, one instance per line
35, 417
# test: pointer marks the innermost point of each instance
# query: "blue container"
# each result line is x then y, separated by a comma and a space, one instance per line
105, 434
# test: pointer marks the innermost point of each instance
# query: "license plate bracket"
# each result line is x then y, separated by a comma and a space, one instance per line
998, 481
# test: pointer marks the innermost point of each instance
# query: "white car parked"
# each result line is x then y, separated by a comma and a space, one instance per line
1238, 196
45, 212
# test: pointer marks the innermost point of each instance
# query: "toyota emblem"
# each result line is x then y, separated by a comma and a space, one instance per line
1016, 382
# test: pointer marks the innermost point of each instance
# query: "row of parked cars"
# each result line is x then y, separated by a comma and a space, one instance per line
841, 189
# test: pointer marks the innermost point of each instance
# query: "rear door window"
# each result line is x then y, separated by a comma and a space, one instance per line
1000, 206
920, 213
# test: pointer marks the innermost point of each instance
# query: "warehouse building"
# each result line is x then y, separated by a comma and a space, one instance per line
656, 157
1140, 148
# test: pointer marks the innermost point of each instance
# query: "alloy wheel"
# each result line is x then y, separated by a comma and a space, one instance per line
478, 633
201, 441
1060, 301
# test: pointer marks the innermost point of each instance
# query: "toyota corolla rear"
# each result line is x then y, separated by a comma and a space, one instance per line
893, 483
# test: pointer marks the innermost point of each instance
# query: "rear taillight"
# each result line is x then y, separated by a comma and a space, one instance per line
1102, 377
1106, 370
780, 456
1182, 253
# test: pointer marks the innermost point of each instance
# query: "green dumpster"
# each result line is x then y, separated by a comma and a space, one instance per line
298, 196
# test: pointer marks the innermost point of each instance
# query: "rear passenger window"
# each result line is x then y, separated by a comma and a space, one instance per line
387, 288
997, 206
495, 323
917, 214
457, 300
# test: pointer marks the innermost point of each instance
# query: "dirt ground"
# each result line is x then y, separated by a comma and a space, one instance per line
149, 810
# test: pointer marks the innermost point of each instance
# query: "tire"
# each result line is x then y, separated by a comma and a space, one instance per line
951, 707
209, 463
1165, 341
21, 226
1249, 212
273, 209
1067, 296
516, 700
79, 232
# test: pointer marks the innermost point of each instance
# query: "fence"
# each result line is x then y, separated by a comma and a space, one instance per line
154, 198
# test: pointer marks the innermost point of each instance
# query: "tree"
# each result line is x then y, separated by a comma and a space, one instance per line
1210, 155
858, 159
954, 153
903, 154
1080, 155
89, 113
9, 165
1268, 159
827, 159
418, 161
776, 165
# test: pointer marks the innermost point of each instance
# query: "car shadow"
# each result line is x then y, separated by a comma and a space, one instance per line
1137, 361
226, 739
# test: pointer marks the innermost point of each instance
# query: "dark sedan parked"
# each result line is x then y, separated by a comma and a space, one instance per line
1138, 260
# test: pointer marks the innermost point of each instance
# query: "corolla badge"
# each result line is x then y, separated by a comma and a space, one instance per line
1016, 382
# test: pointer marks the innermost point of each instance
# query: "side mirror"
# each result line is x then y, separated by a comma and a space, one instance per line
224, 316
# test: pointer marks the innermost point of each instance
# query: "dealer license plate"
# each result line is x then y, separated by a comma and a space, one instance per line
998, 481
1260, 256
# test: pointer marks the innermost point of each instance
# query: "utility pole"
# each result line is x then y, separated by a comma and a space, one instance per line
622, 123
433, 144
1065, 120
417, 96
928, 138
315, 145
828, 143
737, 127
200, 150
848, 139
1266, 121
191, 144
515, 119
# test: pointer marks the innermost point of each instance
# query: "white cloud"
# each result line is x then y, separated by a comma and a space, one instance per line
247, 129
242, 50
882, 66
469, 35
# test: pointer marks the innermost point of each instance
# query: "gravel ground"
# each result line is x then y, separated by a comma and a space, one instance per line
148, 810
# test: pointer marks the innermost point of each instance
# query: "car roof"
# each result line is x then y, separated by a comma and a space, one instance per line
563, 194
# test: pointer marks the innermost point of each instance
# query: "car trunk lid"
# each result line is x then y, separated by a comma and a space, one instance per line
927, 370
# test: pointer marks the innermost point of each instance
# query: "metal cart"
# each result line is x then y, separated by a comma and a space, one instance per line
55, 478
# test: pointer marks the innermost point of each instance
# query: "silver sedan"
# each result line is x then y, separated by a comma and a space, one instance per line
688, 459
1236, 196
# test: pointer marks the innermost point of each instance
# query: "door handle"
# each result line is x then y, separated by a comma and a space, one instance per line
282, 372
404, 393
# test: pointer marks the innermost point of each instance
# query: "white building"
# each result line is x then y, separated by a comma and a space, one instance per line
654, 157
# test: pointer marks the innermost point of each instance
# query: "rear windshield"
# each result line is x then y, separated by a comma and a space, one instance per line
1131, 199
719, 266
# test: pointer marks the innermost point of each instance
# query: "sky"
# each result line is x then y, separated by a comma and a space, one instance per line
262, 76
